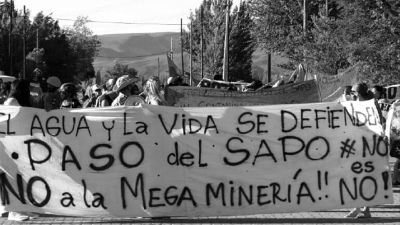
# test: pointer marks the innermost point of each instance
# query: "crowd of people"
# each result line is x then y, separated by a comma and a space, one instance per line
361, 92
114, 92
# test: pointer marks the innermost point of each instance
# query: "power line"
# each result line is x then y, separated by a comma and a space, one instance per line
129, 23
132, 57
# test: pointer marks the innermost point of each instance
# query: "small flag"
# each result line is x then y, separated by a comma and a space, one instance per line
279, 82
298, 75
301, 74
172, 68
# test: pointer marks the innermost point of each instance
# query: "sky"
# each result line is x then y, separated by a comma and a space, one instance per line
142, 16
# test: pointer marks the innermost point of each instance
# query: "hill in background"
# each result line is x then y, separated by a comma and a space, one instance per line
147, 54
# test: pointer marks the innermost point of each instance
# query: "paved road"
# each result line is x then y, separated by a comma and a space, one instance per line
381, 214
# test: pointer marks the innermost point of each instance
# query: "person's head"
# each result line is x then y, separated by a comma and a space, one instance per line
110, 84
359, 92
97, 90
175, 81
347, 93
347, 90
68, 91
153, 86
37, 74
53, 83
217, 77
170, 81
378, 92
5, 88
125, 84
20, 90
254, 85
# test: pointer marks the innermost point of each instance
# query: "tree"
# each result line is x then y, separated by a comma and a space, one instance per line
98, 78
212, 15
67, 54
363, 31
368, 33
9, 39
241, 45
84, 48
118, 70
53, 51
50, 38
279, 26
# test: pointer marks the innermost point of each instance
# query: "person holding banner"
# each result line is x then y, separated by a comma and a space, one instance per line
96, 91
4, 91
124, 86
69, 96
108, 95
19, 96
395, 136
383, 102
360, 92
346, 93
34, 88
152, 89
378, 92
51, 99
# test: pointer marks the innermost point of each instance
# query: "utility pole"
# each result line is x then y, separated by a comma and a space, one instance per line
37, 39
24, 48
37, 46
191, 56
269, 68
183, 68
10, 37
201, 41
172, 51
305, 17
158, 67
226, 44
327, 8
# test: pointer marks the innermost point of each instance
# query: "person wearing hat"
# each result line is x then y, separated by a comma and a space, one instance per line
124, 86
51, 99
69, 96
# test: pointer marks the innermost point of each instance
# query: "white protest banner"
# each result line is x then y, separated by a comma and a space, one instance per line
392, 92
330, 86
170, 161
183, 96
384, 105
220, 84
